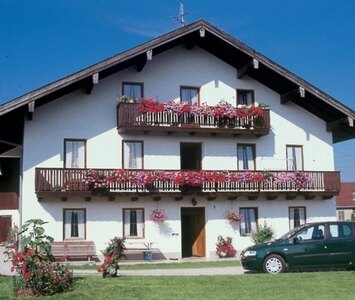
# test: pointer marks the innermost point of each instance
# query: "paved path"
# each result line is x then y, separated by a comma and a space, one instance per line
5, 269
173, 272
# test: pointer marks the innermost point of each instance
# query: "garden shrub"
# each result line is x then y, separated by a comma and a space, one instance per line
113, 252
38, 272
262, 234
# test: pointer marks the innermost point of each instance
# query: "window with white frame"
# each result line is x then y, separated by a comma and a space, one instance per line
74, 153
249, 221
294, 156
245, 97
297, 216
74, 223
189, 95
246, 156
132, 154
133, 223
132, 90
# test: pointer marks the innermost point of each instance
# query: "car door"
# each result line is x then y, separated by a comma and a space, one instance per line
340, 244
307, 249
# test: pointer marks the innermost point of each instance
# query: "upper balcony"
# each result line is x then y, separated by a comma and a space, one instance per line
62, 183
192, 119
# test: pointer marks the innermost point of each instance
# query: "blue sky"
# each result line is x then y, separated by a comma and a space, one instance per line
44, 40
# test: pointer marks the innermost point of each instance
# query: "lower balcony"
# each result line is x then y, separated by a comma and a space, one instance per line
59, 182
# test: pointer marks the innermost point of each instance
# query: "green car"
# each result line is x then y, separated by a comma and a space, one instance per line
313, 246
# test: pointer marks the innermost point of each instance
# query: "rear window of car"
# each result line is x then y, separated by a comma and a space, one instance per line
341, 230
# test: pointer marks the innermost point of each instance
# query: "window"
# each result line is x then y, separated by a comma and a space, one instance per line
294, 156
189, 95
353, 196
341, 230
74, 153
315, 232
341, 215
132, 90
246, 156
245, 97
132, 155
249, 222
74, 224
133, 220
297, 216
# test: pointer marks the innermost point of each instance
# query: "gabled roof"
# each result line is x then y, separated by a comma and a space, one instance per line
246, 61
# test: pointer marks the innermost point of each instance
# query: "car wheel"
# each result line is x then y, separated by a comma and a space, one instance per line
274, 264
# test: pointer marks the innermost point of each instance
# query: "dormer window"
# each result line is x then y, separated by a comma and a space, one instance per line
245, 97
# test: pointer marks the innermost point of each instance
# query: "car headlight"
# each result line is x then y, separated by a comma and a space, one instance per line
249, 253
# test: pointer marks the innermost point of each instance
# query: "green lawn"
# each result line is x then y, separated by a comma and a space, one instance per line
315, 285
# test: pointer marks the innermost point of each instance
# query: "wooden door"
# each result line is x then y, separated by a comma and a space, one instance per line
5, 226
193, 231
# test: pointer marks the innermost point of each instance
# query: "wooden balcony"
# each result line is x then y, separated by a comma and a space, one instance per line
129, 119
58, 182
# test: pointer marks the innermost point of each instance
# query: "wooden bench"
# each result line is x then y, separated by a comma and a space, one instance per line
74, 249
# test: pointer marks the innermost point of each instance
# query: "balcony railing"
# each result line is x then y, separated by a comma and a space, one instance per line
105, 181
129, 118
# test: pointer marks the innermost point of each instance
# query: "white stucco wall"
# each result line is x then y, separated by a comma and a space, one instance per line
93, 117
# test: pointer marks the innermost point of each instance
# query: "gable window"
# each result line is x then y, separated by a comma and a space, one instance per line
245, 97
294, 156
132, 154
133, 223
132, 90
249, 222
189, 95
74, 223
74, 153
297, 216
246, 156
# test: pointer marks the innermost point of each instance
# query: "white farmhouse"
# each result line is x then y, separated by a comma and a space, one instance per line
194, 124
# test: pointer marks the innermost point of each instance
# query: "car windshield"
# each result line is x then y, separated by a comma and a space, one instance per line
287, 235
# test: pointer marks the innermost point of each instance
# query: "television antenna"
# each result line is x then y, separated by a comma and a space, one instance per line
182, 14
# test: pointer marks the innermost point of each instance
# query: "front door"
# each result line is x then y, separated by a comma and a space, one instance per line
193, 231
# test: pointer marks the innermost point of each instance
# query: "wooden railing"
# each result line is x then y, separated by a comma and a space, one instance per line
79, 180
129, 118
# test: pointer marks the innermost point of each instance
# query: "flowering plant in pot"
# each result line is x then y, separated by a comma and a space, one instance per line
113, 252
158, 216
233, 217
224, 247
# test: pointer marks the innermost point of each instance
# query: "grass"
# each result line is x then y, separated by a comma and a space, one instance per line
315, 285
177, 265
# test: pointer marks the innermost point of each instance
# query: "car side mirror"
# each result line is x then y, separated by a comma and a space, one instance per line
295, 240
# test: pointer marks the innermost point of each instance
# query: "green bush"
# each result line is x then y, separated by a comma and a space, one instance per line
113, 252
38, 272
262, 234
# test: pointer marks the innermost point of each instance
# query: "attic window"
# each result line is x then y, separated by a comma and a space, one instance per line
245, 97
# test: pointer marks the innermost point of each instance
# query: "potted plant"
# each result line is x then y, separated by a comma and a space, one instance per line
113, 252
158, 216
233, 217
224, 247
